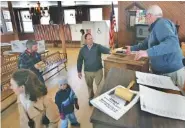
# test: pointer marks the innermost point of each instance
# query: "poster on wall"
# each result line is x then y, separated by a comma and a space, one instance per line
75, 32
140, 17
18, 45
6, 15
9, 26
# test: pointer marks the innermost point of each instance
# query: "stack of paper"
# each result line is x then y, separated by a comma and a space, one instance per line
113, 105
155, 80
162, 104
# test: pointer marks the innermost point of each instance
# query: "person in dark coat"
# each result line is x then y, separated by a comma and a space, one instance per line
29, 58
66, 100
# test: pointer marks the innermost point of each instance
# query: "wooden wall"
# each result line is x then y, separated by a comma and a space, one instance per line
172, 10
26, 36
6, 38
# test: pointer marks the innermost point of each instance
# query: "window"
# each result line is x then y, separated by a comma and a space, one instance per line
45, 19
6, 24
96, 14
26, 21
69, 16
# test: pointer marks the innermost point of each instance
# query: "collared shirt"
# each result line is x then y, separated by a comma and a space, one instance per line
90, 46
26, 103
91, 57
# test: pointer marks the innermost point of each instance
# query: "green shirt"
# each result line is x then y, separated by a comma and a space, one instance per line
91, 57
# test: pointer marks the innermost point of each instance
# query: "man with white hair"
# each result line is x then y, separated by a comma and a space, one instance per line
162, 47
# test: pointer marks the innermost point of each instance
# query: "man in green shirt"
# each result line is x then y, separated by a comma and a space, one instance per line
90, 54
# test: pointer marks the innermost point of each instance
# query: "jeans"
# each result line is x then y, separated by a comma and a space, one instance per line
71, 117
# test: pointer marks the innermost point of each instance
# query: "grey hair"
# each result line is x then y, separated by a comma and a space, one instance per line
30, 43
155, 10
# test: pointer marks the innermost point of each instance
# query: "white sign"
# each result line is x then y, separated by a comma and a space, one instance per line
112, 105
155, 80
75, 32
161, 103
18, 45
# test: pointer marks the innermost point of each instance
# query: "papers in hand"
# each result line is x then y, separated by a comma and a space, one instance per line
155, 80
41, 66
112, 105
162, 104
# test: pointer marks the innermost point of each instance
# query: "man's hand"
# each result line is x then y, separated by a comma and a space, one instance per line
80, 75
113, 51
128, 50
140, 54
77, 106
76, 103
62, 116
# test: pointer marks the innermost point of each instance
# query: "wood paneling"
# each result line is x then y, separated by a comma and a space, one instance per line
106, 12
26, 36
9, 37
172, 10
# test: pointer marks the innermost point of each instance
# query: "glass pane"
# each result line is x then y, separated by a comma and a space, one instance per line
45, 18
96, 14
6, 14
25, 16
69, 16
28, 27
9, 26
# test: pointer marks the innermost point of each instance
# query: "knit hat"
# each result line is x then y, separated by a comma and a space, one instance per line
62, 81
30, 43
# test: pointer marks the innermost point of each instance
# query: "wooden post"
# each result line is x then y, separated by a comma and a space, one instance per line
62, 36
10, 8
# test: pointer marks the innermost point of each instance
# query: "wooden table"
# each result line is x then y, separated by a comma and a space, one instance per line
134, 118
119, 60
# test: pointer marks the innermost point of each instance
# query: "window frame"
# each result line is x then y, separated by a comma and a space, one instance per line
4, 21
21, 23
74, 16
90, 14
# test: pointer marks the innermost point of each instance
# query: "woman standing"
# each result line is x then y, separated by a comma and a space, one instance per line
35, 108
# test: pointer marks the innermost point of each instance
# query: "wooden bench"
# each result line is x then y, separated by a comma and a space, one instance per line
8, 66
54, 61
44, 54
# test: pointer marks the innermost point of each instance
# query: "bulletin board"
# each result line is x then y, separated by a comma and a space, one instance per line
18, 45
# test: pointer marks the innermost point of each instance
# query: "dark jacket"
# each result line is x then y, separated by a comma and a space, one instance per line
162, 46
65, 100
27, 60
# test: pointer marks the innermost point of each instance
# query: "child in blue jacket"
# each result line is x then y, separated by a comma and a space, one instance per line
66, 100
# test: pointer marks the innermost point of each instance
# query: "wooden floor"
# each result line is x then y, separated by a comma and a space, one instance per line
10, 117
